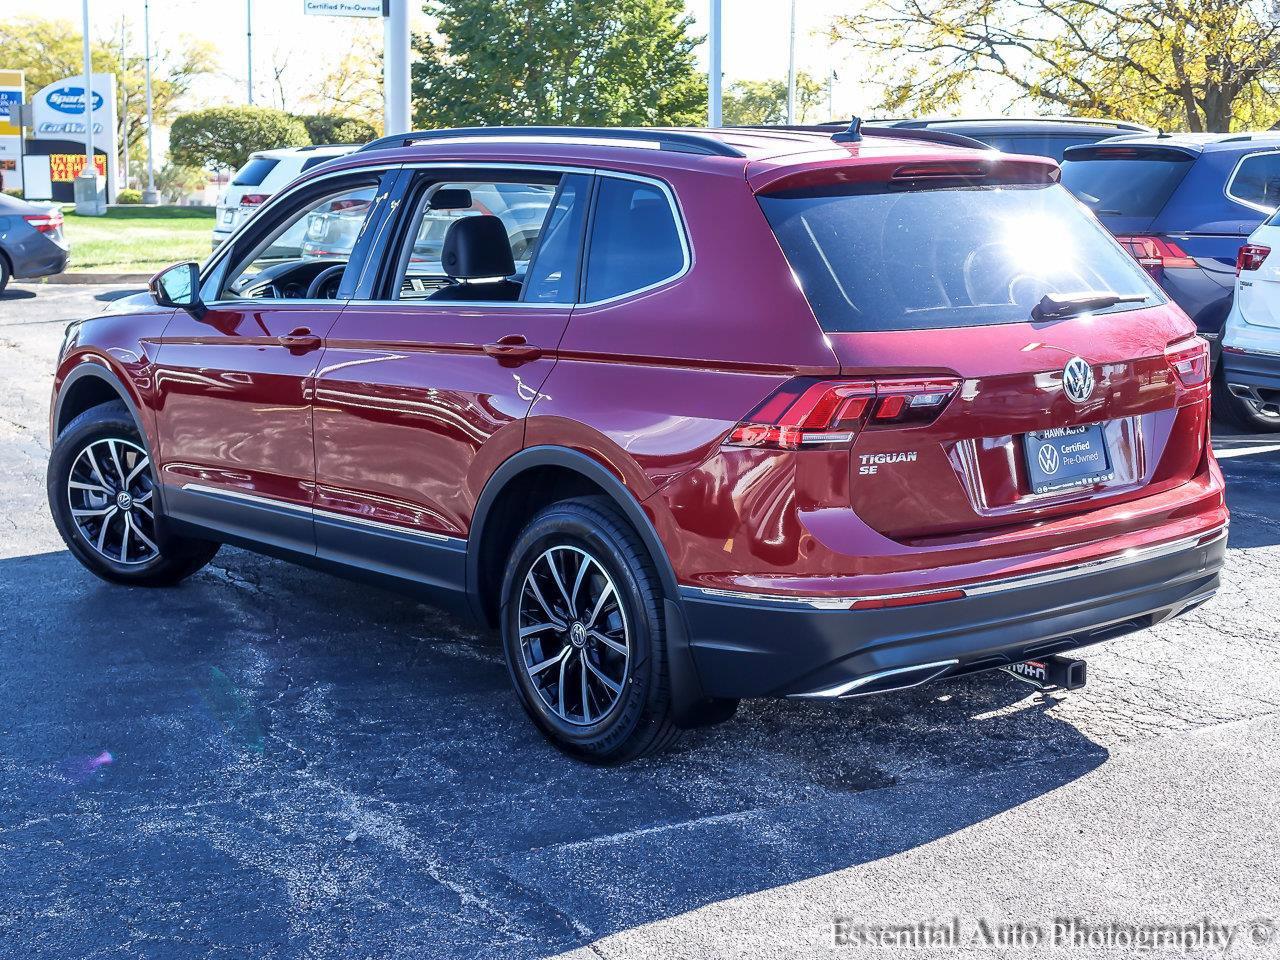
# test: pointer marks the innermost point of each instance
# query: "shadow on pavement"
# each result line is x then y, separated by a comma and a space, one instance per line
16, 293
271, 761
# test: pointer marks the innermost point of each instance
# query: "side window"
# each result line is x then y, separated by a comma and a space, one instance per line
553, 274
306, 241
1257, 180
473, 240
635, 240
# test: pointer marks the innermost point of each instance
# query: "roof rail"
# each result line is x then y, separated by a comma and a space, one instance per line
680, 141
916, 123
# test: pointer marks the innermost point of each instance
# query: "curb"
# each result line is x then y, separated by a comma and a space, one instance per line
98, 278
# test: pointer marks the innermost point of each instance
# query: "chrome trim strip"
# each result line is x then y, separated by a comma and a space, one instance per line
1086, 568
849, 689
321, 514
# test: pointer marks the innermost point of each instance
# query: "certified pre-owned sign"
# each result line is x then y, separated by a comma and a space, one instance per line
343, 8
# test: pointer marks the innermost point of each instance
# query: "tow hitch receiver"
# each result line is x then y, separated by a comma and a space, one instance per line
1050, 673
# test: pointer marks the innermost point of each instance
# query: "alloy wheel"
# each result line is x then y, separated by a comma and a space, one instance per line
110, 492
575, 641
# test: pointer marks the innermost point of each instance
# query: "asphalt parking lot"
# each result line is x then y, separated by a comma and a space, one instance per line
269, 762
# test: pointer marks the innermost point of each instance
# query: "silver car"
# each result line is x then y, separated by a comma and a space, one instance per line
31, 241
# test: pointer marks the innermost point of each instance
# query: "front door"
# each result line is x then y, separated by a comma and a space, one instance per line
424, 386
235, 380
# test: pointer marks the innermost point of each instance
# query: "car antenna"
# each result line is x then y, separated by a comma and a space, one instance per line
852, 134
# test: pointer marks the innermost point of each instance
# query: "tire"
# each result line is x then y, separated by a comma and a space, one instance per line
621, 588
115, 529
5, 273
1240, 413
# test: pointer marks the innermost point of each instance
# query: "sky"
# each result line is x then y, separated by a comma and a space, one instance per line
755, 38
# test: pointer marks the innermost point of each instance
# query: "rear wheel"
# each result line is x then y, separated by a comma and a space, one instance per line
102, 494
584, 635
1250, 413
5, 273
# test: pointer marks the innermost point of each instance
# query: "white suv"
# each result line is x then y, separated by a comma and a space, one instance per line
262, 176
1249, 385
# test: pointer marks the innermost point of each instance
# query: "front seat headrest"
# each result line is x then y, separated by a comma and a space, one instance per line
477, 247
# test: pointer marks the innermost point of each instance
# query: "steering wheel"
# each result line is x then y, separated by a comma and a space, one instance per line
325, 285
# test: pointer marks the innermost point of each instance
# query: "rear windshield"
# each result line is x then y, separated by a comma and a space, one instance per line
254, 172
1124, 181
871, 259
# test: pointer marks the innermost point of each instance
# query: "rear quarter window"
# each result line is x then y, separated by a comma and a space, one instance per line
635, 240
1256, 181
254, 172
871, 258
1124, 181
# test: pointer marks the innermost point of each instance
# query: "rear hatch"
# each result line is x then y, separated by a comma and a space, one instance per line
929, 288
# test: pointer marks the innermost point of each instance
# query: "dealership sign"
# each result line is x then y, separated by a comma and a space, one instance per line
58, 109
343, 8
11, 88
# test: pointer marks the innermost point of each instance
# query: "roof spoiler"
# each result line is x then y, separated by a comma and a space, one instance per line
856, 130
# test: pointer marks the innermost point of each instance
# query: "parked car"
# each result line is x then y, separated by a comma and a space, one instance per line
1249, 375
1183, 204
762, 414
262, 176
1037, 136
31, 241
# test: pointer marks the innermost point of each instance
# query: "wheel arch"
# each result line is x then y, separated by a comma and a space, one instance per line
90, 384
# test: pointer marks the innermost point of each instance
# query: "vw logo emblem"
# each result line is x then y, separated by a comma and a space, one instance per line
1048, 458
577, 634
1077, 380
124, 501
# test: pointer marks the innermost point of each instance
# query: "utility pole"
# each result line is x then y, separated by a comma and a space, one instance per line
248, 33
88, 196
149, 194
395, 66
791, 70
831, 95
714, 68
124, 106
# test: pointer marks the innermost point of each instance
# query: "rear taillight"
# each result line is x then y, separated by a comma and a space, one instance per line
49, 222
809, 413
1190, 360
1251, 256
1156, 253
254, 199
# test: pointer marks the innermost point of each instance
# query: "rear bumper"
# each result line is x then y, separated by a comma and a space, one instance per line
747, 646
1248, 369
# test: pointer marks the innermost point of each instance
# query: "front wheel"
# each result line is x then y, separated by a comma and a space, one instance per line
584, 635
102, 494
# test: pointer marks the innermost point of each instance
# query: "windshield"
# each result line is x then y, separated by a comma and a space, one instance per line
1124, 181
878, 259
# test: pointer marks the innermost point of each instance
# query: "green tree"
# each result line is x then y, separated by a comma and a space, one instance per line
624, 62
49, 49
225, 136
1199, 65
755, 102
330, 128
176, 182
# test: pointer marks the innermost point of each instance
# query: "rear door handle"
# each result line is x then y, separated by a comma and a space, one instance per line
300, 340
513, 347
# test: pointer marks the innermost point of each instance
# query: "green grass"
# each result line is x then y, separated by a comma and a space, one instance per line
137, 239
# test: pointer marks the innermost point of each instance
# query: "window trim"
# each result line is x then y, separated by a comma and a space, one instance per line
1235, 172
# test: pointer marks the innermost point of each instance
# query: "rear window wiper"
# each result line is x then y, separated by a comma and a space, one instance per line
1055, 305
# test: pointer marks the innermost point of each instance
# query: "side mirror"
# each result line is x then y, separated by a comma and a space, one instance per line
178, 286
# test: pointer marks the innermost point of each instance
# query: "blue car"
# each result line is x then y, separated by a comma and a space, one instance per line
31, 241
1183, 204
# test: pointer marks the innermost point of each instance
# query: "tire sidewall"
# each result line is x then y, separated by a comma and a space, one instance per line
97, 424
571, 525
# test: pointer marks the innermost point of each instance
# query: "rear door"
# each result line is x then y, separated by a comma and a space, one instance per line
1259, 289
926, 289
421, 393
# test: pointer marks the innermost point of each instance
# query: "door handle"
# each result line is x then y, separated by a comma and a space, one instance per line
300, 340
513, 347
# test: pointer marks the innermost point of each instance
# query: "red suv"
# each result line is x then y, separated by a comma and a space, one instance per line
689, 415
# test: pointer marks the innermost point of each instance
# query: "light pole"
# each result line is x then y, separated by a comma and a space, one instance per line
149, 195
791, 70
714, 68
88, 197
395, 66
248, 33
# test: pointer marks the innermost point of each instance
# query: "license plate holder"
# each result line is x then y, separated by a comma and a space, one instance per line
1067, 457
